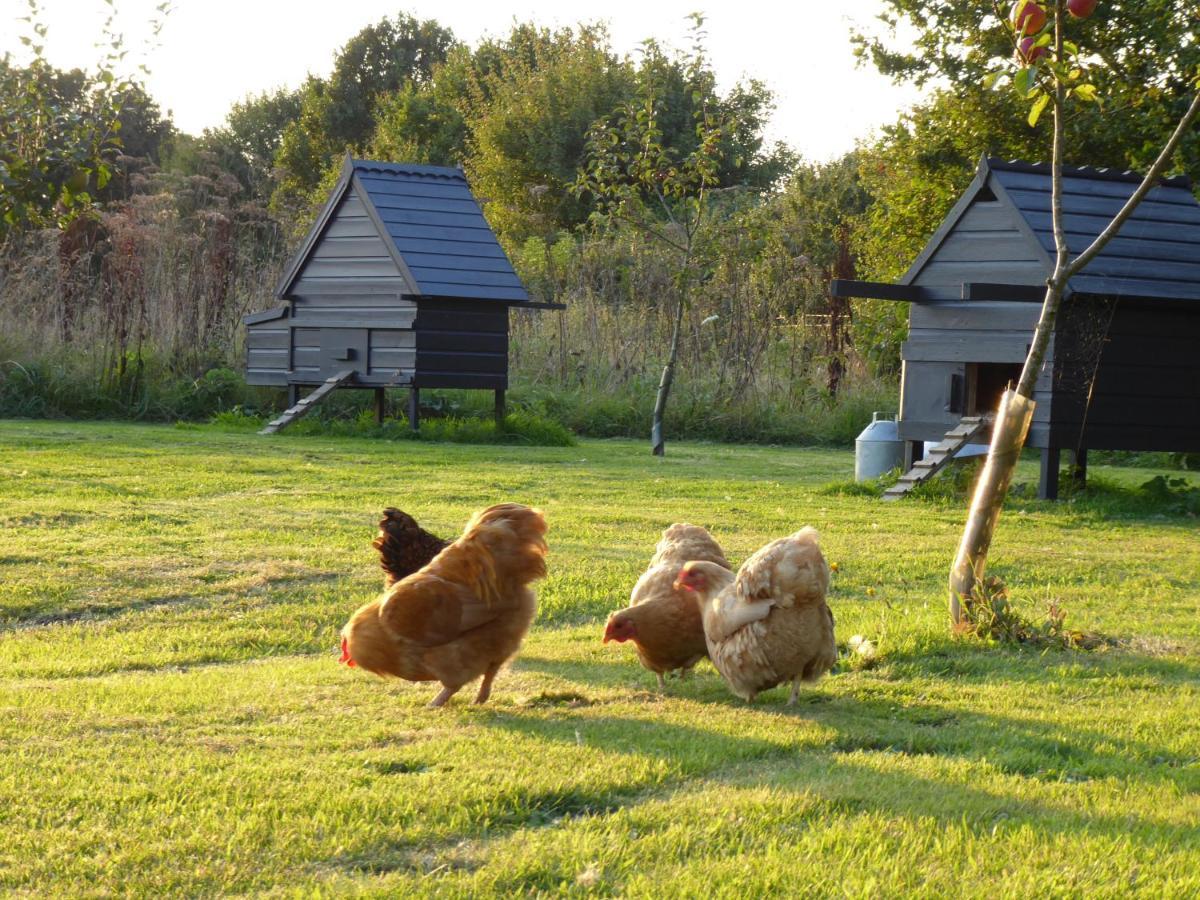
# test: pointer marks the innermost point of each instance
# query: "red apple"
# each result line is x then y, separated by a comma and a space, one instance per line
1028, 52
1081, 9
1028, 17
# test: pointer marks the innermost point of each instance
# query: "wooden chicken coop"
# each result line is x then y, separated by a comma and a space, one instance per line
399, 283
1123, 368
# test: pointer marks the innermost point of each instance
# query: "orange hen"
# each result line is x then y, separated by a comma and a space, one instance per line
464, 614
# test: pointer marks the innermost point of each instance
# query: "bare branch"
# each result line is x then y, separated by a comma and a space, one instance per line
1151, 179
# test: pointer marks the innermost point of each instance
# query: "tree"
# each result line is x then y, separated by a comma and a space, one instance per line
377, 62
1046, 80
1146, 54
516, 110
61, 131
340, 114
816, 213
636, 177
253, 130
529, 123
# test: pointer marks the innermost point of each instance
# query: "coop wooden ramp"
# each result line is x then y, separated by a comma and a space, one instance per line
965, 432
302, 408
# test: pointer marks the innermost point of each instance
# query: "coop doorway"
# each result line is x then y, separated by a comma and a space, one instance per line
986, 383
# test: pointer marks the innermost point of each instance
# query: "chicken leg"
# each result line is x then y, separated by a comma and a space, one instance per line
795, 691
443, 697
485, 686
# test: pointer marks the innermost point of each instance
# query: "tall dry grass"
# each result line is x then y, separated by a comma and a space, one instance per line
138, 314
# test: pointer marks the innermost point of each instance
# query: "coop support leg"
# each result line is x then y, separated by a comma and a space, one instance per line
914, 451
380, 405
1048, 482
1079, 467
414, 408
501, 409
293, 395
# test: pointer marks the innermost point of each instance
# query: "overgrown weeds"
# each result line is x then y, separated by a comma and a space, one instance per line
133, 321
989, 615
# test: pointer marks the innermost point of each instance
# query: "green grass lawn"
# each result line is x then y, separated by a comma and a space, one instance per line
174, 721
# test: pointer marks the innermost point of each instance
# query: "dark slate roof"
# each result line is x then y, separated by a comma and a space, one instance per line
433, 226
1155, 254
437, 226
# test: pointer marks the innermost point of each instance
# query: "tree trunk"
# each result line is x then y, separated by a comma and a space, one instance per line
837, 338
1008, 437
657, 442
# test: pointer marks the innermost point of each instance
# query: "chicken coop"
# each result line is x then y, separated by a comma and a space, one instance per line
400, 283
1123, 368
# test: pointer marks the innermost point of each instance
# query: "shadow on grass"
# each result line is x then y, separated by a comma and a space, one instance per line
963, 661
16, 621
836, 783
1043, 749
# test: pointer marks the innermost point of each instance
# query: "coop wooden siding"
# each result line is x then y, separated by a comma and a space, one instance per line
267, 352
350, 251
985, 245
352, 305
1147, 378
971, 331
393, 352
943, 339
461, 344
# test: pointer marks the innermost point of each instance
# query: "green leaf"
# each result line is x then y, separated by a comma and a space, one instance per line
1022, 81
1086, 92
1039, 107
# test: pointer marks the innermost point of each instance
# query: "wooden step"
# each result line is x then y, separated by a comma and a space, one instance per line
302, 407
939, 456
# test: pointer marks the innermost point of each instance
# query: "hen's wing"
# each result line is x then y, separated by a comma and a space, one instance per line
429, 610
787, 572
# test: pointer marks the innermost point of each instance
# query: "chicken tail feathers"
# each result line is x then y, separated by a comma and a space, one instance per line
404, 546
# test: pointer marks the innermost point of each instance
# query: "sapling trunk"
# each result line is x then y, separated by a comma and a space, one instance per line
658, 445
657, 441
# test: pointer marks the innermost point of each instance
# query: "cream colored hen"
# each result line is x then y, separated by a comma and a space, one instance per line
769, 623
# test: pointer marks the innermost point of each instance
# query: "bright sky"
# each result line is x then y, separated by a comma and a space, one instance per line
215, 52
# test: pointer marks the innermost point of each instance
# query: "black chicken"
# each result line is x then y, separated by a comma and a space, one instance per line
404, 546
